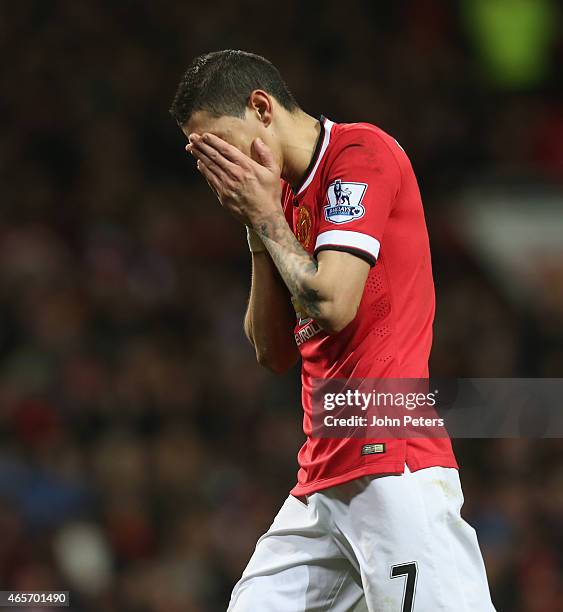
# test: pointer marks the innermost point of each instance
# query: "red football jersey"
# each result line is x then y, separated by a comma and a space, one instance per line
360, 195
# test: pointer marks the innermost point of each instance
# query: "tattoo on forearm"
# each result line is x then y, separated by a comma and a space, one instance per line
295, 265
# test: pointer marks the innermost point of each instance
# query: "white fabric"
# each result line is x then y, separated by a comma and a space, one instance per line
336, 551
255, 243
346, 238
326, 139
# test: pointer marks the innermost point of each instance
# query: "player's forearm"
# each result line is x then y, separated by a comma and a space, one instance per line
301, 274
270, 318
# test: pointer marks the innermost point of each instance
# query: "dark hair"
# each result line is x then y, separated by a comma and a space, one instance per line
221, 83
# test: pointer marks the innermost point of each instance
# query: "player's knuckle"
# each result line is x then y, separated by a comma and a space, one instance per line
247, 175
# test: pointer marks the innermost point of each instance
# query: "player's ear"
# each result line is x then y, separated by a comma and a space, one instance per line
260, 103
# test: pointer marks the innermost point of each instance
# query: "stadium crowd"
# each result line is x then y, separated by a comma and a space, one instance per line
143, 451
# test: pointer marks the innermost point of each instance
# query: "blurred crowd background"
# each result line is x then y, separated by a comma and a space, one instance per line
142, 450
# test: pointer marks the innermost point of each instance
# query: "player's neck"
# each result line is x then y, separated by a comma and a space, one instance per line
302, 132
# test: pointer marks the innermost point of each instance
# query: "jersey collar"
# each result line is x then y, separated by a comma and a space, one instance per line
320, 149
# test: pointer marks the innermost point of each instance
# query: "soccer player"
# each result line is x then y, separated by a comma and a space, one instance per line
341, 276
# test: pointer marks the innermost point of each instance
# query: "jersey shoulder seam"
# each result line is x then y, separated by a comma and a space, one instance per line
374, 130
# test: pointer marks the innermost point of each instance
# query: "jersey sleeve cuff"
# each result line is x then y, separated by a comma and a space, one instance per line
362, 245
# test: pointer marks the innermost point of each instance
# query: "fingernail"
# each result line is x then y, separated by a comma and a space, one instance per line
206, 137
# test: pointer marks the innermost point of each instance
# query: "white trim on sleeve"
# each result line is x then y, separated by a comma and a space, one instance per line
344, 238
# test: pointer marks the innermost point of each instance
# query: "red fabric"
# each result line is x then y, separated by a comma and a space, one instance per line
391, 335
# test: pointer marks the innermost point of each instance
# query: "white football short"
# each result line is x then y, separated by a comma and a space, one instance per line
394, 543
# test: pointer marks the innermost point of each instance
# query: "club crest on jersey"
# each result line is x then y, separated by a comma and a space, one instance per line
345, 202
303, 226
